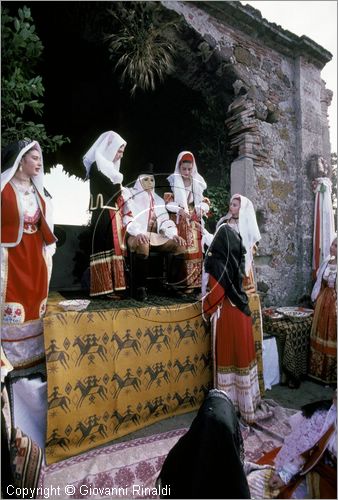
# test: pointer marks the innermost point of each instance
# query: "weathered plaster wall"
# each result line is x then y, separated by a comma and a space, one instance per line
278, 122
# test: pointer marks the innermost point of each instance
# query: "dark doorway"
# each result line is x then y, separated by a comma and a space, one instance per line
83, 96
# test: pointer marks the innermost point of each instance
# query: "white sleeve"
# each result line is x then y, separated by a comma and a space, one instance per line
127, 216
133, 228
204, 207
168, 228
129, 222
172, 206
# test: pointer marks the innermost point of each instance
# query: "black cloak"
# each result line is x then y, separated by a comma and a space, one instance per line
207, 462
225, 261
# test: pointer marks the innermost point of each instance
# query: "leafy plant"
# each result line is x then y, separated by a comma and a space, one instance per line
214, 156
22, 89
138, 46
219, 204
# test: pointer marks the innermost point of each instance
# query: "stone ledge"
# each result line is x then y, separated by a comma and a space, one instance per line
249, 20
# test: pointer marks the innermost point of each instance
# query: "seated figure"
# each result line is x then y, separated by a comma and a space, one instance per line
306, 465
188, 207
309, 452
208, 461
149, 227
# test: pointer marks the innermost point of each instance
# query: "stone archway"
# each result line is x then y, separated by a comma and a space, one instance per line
187, 112
267, 80
88, 98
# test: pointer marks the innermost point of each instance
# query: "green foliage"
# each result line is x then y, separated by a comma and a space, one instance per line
219, 198
213, 156
22, 89
138, 45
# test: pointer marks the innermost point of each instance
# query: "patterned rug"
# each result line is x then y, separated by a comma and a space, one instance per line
125, 470
129, 469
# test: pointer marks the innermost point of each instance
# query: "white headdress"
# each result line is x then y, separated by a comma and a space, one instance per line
142, 196
248, 228
318, 284
37, 180
177, 185
103, 152
323, 232
7, 175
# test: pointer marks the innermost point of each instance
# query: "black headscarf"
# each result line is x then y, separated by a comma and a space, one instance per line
10, 153
225, 261
207, 462
310, 408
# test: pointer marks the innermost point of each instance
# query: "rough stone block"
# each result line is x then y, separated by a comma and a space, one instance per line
242, 177
281, 189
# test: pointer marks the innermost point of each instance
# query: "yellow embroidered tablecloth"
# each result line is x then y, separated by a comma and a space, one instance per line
113, 371
257, 330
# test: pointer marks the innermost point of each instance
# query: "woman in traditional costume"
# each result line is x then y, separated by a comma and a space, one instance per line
233, 350
27, 245
102, 163
242, 218
190, 206
26, 233
207, 462
306, 465
323, 338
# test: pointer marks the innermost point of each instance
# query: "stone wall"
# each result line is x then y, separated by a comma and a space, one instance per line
277, 120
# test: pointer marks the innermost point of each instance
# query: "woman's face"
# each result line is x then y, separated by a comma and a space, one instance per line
31, 163
235, 205
186, 169
147, 182
119, 153
333, 248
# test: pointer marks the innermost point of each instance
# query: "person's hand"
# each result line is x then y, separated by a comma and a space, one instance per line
180, 241
276, 482
182, 213
142, 239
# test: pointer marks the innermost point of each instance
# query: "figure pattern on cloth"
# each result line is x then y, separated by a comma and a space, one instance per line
111, 372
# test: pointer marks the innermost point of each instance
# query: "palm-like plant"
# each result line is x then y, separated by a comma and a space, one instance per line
138, 46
